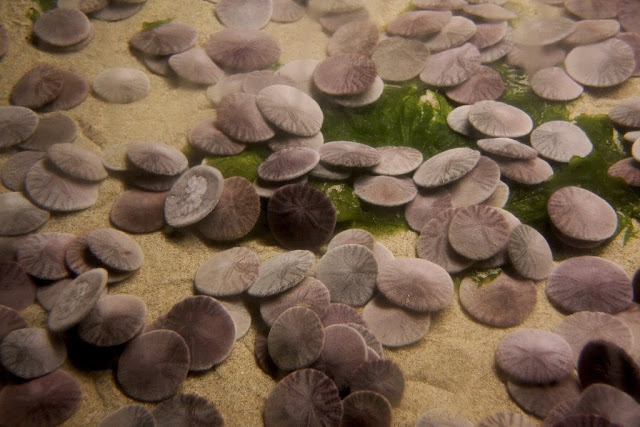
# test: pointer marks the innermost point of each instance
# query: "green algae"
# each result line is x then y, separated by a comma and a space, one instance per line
40, 7
244, 164
155, 24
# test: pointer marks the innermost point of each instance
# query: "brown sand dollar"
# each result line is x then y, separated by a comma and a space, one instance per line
296, 339
153, 366
115, 249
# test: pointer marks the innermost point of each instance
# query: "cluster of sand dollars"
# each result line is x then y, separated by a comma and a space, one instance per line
627, 115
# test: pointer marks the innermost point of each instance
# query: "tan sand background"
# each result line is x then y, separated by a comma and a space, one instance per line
451, 369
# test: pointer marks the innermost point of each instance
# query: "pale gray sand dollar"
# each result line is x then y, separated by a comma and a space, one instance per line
296, 338
416, 284
627, 113
433, 243
367, 97
580, 214
195, 66
535, 356
458, 120
446, 167
42, 255
16, 125
628, 169
113, 320
500, 196
502, 257
226, 86
478, 232
489, 12
346, 74
398, 59
394, 326
282, 141
254, 81
193, 196
502, 303
383, 190
591, 9
253, 14
166, 39
533, 58
584, 326
499, 50
240, 314
451, 67
476, 186
348, 154
236, 212
332, 21
455, 33
77, 300
418, 24
489, 34
156, 158
15, 169
498, 119
287, 11
290, 109
237, 49
19, 216
310, 293
206, 137
300, 71
560, 140
281, 272
544, 31
38, 86
485, 84
121, 85
507, 147
115, 249
239, 117
592, 30
540, 399
602, 64
589, 283
62, 27
32, 352
349, 272
554, 84
354, 37
356, 236
425, 206
530, 253
227, 273
77, 162
529, 172
52, 129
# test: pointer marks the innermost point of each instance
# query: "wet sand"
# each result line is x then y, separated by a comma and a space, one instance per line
451, 369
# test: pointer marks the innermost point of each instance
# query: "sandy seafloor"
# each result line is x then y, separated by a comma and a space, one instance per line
452, 368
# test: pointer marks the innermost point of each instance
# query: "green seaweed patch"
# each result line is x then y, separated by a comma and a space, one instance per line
146, 26
193, 155
354, 214
519, 94
404, 115
244, 164
33, 14
530, 204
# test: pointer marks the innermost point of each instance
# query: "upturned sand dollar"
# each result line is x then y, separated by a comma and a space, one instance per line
227, 273
559, 140
77, 300
115, 249
193, 196
121, 85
